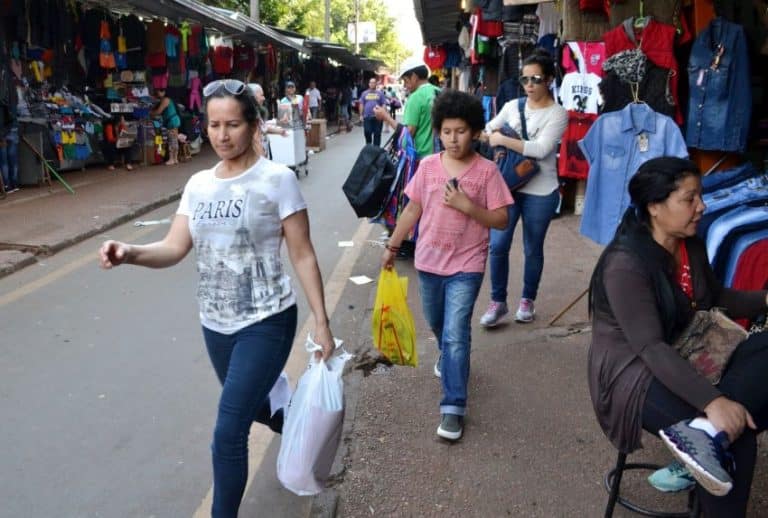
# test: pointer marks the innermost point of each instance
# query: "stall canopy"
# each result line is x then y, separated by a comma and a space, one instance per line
260, 32
229, 23
341, 54
438, 20
181, 10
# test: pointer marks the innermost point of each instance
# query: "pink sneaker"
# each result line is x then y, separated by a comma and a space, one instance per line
525, 311
494, 313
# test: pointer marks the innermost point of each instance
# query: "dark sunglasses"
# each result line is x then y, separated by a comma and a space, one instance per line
536, 79
233, 86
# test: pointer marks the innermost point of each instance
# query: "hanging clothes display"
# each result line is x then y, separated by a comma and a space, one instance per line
630, 76
615, 147
657, 41
579, 94
745, 266
720, 103
725, 230
579, 90
750, 191
406, 167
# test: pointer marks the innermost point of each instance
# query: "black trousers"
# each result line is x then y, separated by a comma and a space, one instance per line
743, 381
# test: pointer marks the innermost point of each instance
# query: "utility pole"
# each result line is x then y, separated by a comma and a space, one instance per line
327, 32
255, 10
357, 26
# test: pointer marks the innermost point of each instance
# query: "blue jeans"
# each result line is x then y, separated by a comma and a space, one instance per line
537, 212
448, 302
372, 129
9, 159
247, 364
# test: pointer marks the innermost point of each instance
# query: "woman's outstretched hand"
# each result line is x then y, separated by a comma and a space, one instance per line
113, 253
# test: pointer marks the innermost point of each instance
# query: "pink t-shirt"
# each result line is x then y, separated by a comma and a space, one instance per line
449, 241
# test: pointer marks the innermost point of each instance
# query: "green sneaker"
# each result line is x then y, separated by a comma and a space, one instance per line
672, 478
451, 427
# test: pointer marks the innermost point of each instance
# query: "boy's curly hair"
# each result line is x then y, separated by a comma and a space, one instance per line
453, 104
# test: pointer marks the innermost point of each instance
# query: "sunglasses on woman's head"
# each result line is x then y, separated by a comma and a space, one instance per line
535, 79
233, 86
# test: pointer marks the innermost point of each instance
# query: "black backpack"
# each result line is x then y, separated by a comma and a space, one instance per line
369, 183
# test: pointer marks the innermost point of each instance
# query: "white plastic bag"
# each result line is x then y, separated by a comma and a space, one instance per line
312, 428
280, 395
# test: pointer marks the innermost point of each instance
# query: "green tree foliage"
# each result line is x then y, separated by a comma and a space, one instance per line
308, 17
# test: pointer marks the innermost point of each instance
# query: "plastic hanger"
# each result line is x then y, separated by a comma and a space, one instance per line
641, 20
635, 89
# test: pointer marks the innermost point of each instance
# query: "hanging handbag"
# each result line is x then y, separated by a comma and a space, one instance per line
516, 169
709, 341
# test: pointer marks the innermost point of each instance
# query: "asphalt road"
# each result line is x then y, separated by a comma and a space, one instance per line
107, 395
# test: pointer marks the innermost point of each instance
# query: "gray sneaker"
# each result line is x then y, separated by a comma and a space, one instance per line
704, 456
451, 427
494, 313
437, 367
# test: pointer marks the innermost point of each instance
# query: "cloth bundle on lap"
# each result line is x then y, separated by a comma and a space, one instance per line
709, 341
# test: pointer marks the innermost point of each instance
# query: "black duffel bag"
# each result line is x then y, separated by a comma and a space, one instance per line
369, 183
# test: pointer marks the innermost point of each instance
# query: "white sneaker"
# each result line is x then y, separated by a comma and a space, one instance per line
578, 205
525, 311
494, 313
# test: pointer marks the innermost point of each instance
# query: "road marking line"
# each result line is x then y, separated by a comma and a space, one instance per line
261, 436
60, 272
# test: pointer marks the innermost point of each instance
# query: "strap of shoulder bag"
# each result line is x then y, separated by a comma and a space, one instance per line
521, 107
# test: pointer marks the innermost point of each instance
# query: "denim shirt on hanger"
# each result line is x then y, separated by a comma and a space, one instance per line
616, 145
720, 103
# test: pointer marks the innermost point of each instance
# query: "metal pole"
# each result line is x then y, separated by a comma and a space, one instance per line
255, 10
327, 32
357, 26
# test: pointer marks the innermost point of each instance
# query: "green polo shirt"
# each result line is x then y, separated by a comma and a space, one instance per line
418, 112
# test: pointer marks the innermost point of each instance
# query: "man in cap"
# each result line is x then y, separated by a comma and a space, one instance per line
292, 98
417, 116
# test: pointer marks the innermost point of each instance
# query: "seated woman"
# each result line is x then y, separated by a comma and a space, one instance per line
645, 289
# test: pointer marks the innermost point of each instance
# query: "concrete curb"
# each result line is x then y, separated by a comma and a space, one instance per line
29, 259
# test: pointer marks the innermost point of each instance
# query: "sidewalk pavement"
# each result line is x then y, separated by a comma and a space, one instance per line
54, 218
532, 446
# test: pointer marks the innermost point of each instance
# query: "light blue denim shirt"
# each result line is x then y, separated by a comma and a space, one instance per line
616, 145
741, 246
750, 191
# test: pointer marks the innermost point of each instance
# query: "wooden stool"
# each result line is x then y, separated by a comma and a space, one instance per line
613, 482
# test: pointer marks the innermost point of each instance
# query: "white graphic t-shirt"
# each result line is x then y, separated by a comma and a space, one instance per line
236, 227
581, 93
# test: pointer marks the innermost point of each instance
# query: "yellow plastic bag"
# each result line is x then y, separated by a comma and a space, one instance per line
392, 326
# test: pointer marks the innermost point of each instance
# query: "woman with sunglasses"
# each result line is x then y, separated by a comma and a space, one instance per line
537, 200
236, 216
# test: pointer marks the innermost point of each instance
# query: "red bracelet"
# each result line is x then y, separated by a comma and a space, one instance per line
391, 248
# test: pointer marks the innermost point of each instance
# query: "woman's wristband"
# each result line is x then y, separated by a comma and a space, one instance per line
394, 249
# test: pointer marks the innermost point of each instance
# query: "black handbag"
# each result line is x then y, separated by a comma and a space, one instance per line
369, 183
516, 169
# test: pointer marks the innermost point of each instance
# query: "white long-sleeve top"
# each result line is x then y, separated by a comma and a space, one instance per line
545, 128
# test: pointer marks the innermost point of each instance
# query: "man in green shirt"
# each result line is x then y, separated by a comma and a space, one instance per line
417, 116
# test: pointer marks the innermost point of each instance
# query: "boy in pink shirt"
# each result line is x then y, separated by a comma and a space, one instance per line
456, 196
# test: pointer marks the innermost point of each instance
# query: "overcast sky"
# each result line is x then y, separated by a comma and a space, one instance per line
407, 26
